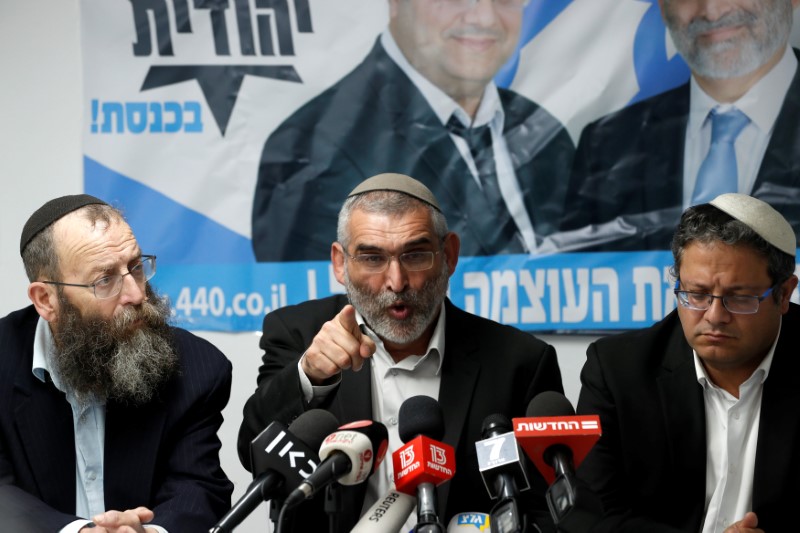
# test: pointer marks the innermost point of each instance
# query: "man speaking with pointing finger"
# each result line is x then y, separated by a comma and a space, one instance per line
396, 335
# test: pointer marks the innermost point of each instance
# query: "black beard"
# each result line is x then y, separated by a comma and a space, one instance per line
117, 358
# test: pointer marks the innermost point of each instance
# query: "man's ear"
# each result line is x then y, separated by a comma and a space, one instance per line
337, 259
788, 288
452, 245
45, 299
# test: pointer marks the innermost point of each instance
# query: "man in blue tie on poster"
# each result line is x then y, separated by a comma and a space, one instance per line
735, 127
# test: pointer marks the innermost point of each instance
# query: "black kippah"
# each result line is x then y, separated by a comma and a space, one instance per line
52, 211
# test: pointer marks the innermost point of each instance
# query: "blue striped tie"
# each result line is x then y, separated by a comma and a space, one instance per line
718, 173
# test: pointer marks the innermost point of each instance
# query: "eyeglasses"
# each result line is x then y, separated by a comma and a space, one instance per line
110, 286
734, 303
375, 263
463, 5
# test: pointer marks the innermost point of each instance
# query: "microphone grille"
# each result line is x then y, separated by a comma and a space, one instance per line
495, 424
313, 426
420, 415
550, 403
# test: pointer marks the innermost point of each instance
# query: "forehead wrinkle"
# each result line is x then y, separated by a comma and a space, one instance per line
97, 246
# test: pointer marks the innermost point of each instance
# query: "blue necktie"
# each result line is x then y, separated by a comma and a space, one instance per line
718, 172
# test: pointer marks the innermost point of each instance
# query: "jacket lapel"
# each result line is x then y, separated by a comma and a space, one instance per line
460, 371
44, 421
778, 180
129, 468
683, 411
779, 426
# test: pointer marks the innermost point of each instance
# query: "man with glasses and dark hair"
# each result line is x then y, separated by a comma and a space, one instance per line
422, 102
700, 429
392, 336
110, 416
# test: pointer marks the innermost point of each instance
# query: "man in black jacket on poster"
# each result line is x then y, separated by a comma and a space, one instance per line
422, 103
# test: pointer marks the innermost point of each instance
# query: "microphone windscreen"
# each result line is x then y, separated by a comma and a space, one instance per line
468, 522
495, 424
420, 415
550, 403
313, 426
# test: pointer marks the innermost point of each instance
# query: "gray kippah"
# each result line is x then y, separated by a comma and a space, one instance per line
52, 211
761, 218
398, 183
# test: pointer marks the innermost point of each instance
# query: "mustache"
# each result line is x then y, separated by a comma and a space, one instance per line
702, 25
474, 31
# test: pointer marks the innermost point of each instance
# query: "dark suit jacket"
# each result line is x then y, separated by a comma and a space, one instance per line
650, 464
375, 120
488, 368
163, 455
626, 188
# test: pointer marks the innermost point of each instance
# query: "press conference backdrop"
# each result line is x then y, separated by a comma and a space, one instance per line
178, 101
46, 109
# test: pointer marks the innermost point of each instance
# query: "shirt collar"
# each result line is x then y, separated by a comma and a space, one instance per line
42, 347
760, 373
435, 345
490, 109
762, 103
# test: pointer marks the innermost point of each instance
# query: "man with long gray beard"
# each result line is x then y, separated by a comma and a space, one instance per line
734, 127
396, 335
110, 416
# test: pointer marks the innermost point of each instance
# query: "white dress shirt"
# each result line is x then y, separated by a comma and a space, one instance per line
731, 441
762, 105
392, 383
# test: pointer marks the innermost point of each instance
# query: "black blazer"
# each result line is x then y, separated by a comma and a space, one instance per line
626, 188
650, 464
488, 368
375, 120
163, 455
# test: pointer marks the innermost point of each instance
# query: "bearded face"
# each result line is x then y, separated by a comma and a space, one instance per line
125, 358
758, 30
423, 305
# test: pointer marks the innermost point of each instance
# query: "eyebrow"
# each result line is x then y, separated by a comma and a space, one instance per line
365, 247
699, 287
106, 268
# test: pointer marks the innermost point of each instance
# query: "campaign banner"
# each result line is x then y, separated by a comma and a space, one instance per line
217, 128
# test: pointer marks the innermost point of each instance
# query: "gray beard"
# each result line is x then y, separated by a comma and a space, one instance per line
98, 358
768, 31
424, 304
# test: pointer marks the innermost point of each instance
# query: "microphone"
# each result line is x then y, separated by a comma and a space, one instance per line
423, 462
557, 441
349, 455
470, 523
281, 458
502, 473
389, 513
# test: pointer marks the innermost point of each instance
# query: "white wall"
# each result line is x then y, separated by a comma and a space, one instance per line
40, 158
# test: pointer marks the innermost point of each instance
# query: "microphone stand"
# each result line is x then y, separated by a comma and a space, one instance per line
427, 521
333, 506
505, 515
